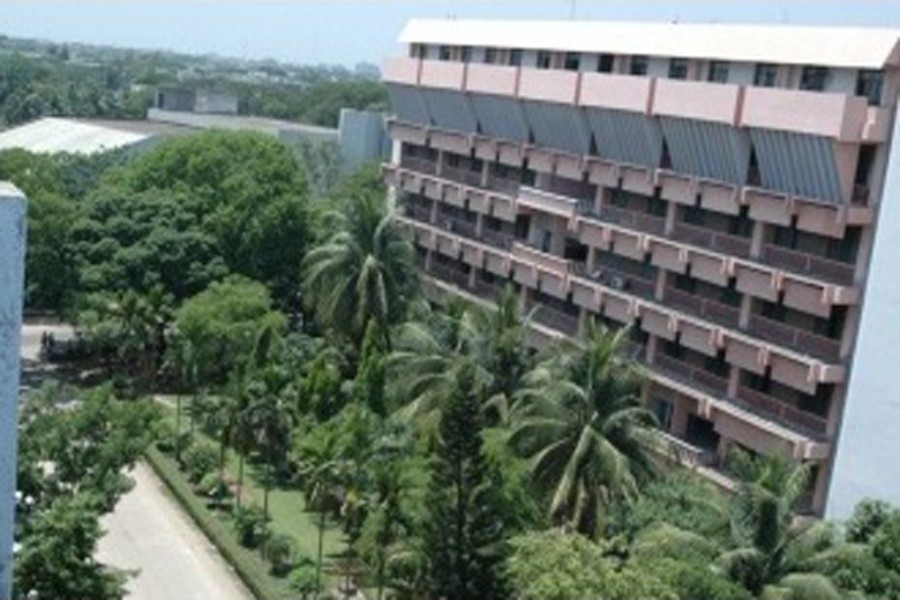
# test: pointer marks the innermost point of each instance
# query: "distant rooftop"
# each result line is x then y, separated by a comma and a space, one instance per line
274, 127
51, 135
857, 47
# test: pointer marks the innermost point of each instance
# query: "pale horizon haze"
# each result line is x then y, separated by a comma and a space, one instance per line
342, 32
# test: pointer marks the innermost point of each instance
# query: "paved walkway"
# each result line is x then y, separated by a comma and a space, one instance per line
149, 531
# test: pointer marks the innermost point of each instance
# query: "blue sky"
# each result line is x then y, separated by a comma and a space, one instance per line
349, 32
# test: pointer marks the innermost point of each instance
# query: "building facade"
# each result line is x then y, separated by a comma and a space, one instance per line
12, 266
725, 191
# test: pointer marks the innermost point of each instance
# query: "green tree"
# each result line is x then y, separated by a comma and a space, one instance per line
363, 272
580, 420
465, 532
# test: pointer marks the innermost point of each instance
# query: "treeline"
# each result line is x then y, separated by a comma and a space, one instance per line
456, 461
50, 81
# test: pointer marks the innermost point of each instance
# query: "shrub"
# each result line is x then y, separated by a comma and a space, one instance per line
214, 487
868, 517
303, 580
280, 554
199, 461
250, 524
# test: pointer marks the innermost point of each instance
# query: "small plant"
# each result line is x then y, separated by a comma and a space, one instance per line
199, 461
212, 486
280, 551
251, 526
303, 579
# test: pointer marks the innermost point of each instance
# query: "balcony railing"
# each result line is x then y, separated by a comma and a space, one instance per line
819, 346
497, 238
417, 212
711, 240
464, 176
701, 378
503, 185
807, 264
449, 274
683, 452
555, 319
458, 226
421, 165
617, 280
723, 314
633, 219
768, 406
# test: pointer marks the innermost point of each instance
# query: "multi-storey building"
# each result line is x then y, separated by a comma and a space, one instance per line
726, 191
12, 263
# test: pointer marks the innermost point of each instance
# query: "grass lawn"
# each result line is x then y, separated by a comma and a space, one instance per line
287, 506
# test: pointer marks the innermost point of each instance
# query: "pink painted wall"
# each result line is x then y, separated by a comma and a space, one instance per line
622, 92
833, 115
698, 100
549, 85
443, 74
400, 69
492, 79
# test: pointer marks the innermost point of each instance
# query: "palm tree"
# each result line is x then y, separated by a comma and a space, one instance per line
580, 421
364, 271
430, 352
773, 550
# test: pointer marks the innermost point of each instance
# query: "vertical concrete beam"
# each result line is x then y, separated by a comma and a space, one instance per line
12, 268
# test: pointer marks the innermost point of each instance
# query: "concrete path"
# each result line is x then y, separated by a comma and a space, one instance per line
148, 531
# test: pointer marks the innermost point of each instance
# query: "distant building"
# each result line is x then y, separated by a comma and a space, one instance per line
730, 193
196, 101
12, 267
53, 135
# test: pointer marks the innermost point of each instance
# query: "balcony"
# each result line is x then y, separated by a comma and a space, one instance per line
724, 243
509, 187
443, 74
415, 210
805, 342
692, 375
682, 452
807, 264
838, 116
549, 85
463, 176
418, 164
547, 202
691, 304
400, 69
699, 100
496, 80
449, 274
616, 92
538, 258
643, 222
617, 280
457, 226
555, 319
769, 407
498, 239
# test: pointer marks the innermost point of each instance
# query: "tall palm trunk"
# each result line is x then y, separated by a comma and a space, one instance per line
240, 481
178, 428
319, 554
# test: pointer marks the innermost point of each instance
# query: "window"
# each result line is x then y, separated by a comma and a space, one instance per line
445, 53
515, 57
638, 65
572, 62
869, 85
465, 53
718, 71
694, 215
662, 409
417, 50
605, 63
678, 68
813, 78
543, 59
490, 56
765, 75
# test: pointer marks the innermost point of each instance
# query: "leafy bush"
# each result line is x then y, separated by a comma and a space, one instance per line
199, 461
303, 580
214, 487
250, 524
280, 551
868, 517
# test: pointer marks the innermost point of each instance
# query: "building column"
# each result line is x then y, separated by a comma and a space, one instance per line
756, 239
12, 268
671, 212
439, 165
734, 380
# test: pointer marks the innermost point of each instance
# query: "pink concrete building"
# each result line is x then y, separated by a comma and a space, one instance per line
718, 188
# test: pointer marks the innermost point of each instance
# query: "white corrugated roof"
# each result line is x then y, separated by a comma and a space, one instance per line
8, 190
51, 135
831, 46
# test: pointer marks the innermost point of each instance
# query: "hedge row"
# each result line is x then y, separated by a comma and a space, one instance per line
252, 570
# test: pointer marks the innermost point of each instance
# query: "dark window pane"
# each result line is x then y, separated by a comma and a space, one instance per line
678, 68
718, 71
605, 63
638, 65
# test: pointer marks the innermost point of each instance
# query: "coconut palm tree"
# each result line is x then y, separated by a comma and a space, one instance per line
580, 422
429, 353
775, 553
364, 271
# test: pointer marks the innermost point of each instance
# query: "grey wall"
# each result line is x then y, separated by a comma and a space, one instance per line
362, 137
12, 266
866, 464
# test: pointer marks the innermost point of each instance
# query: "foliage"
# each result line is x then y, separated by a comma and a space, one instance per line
465, 529
363, 272
200, 460
280, 550
250, 524
554, 565
303, 580
580, 422
868, 518
221, 324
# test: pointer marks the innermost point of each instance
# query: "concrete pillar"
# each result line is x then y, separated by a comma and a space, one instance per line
756, 238
12, 268
671, 213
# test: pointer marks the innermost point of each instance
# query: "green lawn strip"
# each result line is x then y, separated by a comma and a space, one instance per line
287, 507
247, 563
